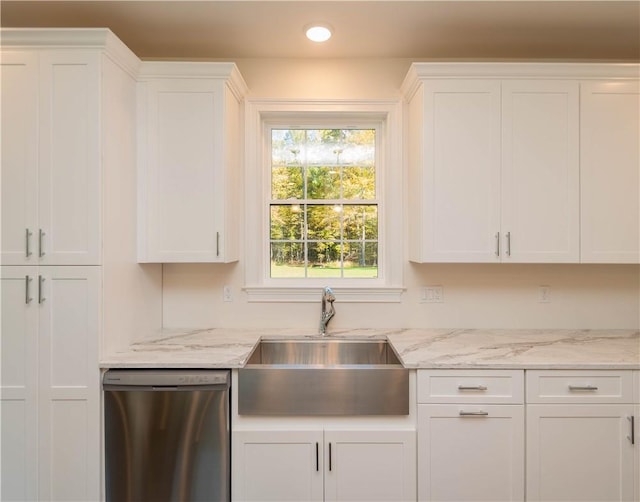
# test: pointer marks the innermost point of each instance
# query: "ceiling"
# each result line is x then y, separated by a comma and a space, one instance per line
453, 29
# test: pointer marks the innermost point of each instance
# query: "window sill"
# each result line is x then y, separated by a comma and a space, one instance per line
312, 294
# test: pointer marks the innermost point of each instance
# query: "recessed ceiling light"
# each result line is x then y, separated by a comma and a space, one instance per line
318, 32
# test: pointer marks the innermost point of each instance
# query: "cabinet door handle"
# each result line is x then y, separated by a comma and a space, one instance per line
632, 438
508, 243
497, 243
474, 413
329, 457
41, 297
217, 243
41, 235
27, 297
583, 387
472, 387
317, 457
27, 242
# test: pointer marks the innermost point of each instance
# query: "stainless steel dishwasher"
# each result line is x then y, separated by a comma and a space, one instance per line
167, 435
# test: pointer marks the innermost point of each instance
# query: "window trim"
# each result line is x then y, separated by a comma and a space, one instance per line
260, 116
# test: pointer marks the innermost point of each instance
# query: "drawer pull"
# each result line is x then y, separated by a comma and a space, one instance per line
471, 387
583, 388
474, 413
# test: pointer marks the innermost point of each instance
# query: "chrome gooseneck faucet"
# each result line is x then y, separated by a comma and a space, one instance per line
327, 313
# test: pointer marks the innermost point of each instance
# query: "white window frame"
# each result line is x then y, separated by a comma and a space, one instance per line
260, 117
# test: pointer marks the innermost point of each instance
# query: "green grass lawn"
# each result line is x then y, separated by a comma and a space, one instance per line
289, 271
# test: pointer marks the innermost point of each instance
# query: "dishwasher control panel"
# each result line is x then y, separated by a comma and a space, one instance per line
168, 378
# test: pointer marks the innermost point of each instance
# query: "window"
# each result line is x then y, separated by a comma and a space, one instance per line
323, 201
323, 208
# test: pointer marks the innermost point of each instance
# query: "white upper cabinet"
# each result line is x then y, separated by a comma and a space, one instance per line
19, 156
51, 166
454, 162
189, 162
523, 163
540, 171
610, 171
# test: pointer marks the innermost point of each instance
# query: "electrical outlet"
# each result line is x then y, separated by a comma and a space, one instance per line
432, 294
544, 294
227, 294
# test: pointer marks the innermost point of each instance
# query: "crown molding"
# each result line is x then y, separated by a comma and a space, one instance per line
192, 70
505, 71
71, 39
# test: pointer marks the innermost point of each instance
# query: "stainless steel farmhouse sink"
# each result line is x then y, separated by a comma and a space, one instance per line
323, 377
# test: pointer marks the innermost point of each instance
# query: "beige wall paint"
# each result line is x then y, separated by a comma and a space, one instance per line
475, 296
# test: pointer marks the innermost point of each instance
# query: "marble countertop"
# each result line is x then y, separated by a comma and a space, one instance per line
417, 348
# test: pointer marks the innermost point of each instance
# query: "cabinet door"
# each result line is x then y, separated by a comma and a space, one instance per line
277, 466
579, 452
19, 370
636, 444
181, 162
69, 169
372, 466
459, 194
470, 452
540, 171
19, 88
69, 383
610, 172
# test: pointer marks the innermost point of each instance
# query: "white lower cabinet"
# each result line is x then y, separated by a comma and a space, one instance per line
324, 465
580, 437
636, 431
370, 465
579, 452
470, 435
471, 452
50, 407
278, 465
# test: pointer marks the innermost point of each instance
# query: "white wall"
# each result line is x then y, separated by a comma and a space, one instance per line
476, 296
131, 293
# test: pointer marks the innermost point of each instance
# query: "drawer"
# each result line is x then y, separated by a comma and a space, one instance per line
558, 386
471, 386
636, 387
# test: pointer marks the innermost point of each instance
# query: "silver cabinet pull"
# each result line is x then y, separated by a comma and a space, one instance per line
472, 387
317, 457
583, 387
474, 413
632, 438
41, 297
329, 456
508, 243
41, 235
497, 243
217, 243
27, 241
27, 297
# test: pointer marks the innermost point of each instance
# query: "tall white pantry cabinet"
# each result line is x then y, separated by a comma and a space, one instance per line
68, 252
